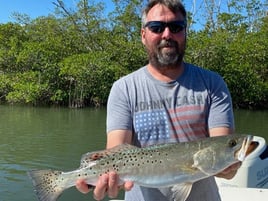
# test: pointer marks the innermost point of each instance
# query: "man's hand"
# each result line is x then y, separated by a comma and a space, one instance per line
106, 185
229, 172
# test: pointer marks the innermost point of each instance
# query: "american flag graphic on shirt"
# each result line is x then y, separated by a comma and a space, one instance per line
170, 125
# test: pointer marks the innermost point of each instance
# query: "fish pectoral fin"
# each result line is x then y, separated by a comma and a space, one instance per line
181, 191
204, 161
90, 157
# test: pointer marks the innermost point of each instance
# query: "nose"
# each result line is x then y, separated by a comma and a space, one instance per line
166, 33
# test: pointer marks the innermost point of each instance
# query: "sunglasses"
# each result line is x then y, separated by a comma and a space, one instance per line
159, 26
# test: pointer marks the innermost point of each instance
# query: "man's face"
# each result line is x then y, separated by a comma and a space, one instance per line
165, 49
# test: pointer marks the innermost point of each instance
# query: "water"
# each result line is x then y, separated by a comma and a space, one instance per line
38, 138
55, 138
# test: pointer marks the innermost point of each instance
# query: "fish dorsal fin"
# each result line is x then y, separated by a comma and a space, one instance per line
96, 155
180, 192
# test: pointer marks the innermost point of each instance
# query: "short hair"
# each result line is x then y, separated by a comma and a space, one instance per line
174, 5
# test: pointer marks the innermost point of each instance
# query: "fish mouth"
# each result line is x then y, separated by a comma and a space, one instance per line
248, 146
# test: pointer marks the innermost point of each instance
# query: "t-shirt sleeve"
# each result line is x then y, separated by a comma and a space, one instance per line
221, 111
118, 108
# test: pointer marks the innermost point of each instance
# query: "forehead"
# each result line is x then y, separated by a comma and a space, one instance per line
162, 13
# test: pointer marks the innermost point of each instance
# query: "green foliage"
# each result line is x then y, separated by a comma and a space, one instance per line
5, 86
240, 56
88, 78
12, 37
26, 88
72, 58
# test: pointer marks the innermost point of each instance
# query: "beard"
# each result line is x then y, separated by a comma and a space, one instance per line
167, 54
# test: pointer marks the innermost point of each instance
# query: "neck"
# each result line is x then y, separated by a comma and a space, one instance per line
166, 74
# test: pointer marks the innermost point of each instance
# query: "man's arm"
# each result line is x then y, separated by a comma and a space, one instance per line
117, 137
220, 131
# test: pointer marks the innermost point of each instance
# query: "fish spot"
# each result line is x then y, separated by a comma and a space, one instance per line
96, 156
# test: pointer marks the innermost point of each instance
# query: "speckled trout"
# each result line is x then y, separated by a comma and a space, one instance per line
176, 165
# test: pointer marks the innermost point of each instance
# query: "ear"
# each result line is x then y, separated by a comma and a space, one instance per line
143, 35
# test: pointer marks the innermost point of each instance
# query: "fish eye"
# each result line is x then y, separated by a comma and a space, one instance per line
232, 143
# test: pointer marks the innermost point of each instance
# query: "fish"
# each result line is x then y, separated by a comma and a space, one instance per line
176, 165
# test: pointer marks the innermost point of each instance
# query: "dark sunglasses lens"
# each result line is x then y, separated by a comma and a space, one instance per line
156, 27
159, 27
175, 27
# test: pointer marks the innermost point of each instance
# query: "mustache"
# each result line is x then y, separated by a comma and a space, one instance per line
167, 43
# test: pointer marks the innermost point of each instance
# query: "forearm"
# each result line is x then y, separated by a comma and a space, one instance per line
117, 137
214, 132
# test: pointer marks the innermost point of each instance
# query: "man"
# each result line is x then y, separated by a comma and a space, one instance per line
166, 101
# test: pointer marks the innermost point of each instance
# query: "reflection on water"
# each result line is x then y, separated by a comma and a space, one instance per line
55, 138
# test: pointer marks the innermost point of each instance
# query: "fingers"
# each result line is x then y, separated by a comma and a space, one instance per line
107, 184
101, 187
82, 186
113, 185
128, 185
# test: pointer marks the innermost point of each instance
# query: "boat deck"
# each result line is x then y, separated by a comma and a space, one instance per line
240, 194
243, 194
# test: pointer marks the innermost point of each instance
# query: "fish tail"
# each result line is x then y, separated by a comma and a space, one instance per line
46, 184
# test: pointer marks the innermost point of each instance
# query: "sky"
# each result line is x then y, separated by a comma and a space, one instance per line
37, 8
33, 8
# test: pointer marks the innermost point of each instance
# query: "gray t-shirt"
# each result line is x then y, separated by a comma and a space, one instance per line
159, 112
